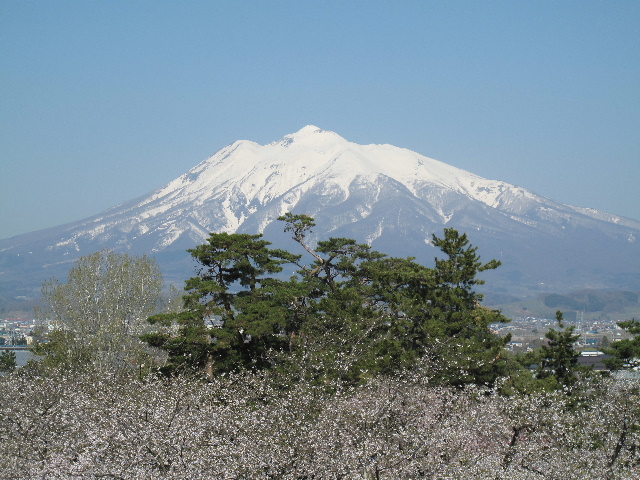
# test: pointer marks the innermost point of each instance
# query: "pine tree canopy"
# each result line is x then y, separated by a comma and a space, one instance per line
346, 312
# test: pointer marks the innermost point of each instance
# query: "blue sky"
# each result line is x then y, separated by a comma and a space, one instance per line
101, 102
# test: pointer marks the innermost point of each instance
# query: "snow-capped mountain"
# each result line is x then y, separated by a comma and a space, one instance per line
390, 197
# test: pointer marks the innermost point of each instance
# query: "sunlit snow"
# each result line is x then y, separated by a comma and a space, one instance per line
245, 179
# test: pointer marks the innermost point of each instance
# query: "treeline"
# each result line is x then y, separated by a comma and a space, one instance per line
593, 301
352, 365
350, 314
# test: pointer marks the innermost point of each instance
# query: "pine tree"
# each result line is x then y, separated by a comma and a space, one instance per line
625, 353
456, 319
7, 361
229, 318
344, 324
349, 314
558, 359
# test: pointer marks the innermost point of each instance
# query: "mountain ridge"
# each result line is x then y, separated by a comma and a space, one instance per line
390, 197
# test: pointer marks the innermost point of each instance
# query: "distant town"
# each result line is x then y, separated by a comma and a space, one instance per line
20, 330
528, 333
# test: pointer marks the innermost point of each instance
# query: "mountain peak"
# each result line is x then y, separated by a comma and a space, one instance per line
389, 197
308, 130
309, 135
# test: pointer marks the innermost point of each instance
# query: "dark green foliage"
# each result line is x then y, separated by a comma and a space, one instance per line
230, 317
456, 274
7, 361
554, 301
625, 353
350, 314
558, 359
459, 320
593, 300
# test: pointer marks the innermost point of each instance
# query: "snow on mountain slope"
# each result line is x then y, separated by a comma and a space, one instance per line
245, 176
388, 196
